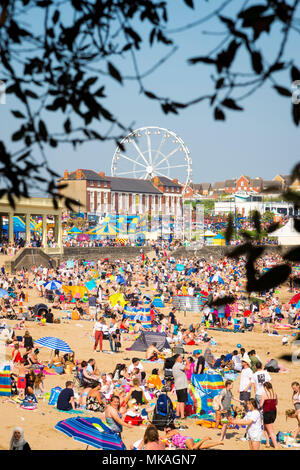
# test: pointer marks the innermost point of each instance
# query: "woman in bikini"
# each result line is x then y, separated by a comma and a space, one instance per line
186, 442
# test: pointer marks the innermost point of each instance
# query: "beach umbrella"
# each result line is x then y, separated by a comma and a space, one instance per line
295, 299
53, 285
53, 343
92, 432
3, 292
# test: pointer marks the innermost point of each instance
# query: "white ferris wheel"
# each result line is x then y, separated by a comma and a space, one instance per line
153, 151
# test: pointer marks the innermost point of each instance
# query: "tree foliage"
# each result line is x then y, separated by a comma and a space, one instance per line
61, 60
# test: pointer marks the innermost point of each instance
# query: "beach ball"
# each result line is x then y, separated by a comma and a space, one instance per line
238, 345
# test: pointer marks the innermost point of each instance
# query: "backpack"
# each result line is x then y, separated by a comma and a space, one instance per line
163, 414
217, 402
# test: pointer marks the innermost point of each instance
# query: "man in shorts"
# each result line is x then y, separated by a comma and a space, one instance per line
181, 385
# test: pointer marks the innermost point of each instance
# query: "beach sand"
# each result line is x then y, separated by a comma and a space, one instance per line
38, 425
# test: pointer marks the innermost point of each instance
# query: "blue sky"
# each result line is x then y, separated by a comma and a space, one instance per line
261, 141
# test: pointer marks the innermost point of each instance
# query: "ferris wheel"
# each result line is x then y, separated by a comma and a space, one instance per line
153, 151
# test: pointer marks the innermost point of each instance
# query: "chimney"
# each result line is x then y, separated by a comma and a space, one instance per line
156, 181
102, 174
66, 174
79, 174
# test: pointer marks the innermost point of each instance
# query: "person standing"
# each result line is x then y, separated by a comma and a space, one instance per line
226, 398
237, 363
181, 385
259, 378
246, 381
268, 403
253, 422
98, 335
92, 301
266, 318
200, 364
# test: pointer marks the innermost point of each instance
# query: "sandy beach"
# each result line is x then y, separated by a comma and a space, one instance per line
38, 425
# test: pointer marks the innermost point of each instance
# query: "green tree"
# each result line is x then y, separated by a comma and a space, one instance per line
59, 67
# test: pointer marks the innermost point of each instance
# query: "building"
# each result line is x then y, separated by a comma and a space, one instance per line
100, 194
284, 180
244, 205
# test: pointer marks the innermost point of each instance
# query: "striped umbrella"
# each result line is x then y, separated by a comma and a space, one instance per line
51, 342
53, 285
91, 431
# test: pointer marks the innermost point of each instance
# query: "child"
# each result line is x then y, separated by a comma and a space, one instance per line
30, 397
21, 384
186, 442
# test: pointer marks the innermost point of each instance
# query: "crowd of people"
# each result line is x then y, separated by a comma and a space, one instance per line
126, 396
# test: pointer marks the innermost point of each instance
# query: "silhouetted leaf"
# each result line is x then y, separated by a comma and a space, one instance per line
283, 91
297, 224
295, 174
296, 113
273, 227
202, 59
295, 73
292, 255
227, 300
273, 278
218, 114
229, 229
190, 3
253, 12
256, 60
114, 72
43, 130
256, 220
18, 114
231, 104
240, 250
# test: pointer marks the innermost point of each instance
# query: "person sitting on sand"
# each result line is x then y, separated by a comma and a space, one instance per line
152, 352
150, 441
94, 401
186, 442
137, 393
113, 416
57, 363
66, 400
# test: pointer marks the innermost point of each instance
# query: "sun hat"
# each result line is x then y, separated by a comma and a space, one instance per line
197, 351
245, 359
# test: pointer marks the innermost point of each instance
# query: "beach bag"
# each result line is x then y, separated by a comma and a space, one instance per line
54, 395
133, 420
189, 410
217, 402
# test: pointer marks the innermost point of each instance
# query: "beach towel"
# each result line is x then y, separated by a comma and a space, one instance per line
5, 382
76, 412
